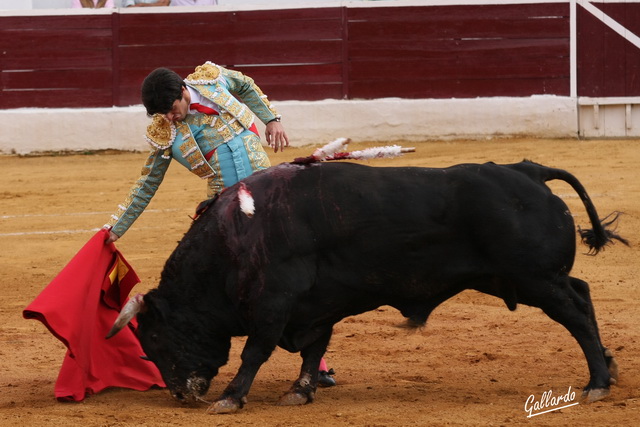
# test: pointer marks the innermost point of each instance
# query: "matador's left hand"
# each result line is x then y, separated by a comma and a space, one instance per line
276, 136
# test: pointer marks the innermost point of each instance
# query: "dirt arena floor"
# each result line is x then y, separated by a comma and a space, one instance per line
475, 363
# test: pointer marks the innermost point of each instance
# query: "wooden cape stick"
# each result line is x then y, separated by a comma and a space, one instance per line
331, 152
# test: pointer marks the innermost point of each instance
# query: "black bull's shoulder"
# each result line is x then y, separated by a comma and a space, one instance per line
329, 240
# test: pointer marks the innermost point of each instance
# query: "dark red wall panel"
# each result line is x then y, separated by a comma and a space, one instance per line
305, 54
608, 64
460, 51
299, 56
56, 61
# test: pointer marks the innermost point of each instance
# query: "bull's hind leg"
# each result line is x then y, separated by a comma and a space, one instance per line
567, 302
304, 388
582, 289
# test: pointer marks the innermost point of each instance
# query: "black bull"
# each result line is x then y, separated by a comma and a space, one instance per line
331, 240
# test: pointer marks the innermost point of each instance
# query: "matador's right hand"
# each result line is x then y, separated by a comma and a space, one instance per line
112, 238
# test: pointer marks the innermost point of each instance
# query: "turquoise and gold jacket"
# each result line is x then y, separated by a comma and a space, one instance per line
188, 141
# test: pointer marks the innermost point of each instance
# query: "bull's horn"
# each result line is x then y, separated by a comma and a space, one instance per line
134, 306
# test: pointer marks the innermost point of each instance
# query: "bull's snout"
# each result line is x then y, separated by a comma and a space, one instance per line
198, 386
194, 390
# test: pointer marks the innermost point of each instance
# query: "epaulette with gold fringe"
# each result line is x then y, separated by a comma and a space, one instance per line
205, 74
160, 133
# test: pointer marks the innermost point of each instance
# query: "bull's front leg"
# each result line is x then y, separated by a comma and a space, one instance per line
304, 388
254, 354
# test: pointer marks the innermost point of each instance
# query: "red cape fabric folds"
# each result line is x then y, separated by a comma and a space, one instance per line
79, 307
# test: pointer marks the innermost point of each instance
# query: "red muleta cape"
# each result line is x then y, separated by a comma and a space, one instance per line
79, 307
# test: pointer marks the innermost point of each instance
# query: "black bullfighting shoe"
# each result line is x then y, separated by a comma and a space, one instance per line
325, 378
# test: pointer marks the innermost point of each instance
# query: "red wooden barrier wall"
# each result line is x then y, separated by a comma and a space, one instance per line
56, 61
459, 51
317, 53
608, 65
292, 54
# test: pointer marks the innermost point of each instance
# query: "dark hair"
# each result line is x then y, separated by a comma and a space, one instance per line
160, 89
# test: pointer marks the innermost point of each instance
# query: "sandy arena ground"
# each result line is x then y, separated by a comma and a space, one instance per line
476, 363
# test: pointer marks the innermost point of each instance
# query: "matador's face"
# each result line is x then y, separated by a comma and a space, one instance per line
180, 107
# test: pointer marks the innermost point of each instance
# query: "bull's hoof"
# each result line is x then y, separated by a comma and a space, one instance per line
224, 406
595, 394
294, 399
612, 364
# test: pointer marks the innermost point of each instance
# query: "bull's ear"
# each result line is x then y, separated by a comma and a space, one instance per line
134, 306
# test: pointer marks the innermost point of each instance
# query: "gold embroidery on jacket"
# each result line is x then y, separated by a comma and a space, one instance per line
160, 133
202, 119
226, 133
192, 153
229, 104
204, 74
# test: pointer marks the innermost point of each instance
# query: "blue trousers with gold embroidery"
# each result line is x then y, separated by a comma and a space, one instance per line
236, 160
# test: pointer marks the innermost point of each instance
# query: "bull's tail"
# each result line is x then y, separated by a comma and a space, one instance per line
601, 234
